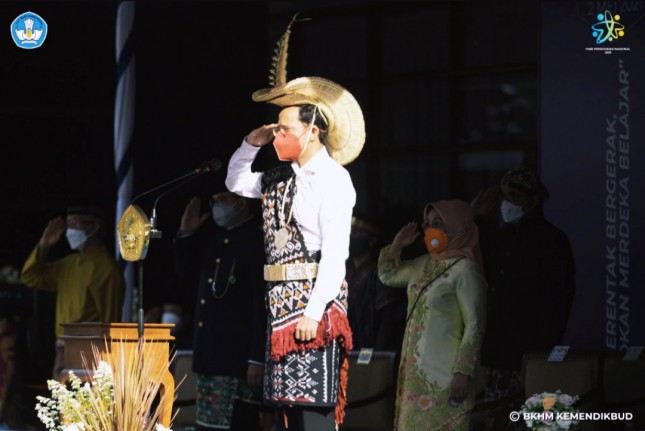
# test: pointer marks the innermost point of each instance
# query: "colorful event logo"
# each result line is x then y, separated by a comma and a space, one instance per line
607, 28
29, 30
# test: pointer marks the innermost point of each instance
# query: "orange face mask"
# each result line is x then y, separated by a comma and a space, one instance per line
436, 240
287, 146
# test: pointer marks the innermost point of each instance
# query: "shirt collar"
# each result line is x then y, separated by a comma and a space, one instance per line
314, 164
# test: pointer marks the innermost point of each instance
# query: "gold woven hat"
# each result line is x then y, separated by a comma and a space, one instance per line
346, 126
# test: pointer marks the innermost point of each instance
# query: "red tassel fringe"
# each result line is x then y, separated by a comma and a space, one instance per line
342, 390
283, 340
333, 325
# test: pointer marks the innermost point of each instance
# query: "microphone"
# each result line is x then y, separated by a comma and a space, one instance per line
209, 166
212, 165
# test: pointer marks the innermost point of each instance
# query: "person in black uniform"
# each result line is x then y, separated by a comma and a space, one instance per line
230, 317
529, 267
376, 312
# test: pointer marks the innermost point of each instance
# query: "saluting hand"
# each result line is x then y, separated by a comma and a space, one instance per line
52, 233
405, 236
192, 218
262, 135
485, 201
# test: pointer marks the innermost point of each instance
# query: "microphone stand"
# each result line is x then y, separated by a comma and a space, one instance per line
140, 322
210, 166
188, 176
153, 215
155, 233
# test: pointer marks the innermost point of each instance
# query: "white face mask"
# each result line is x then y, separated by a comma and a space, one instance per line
223, 213
76, 238
511, 213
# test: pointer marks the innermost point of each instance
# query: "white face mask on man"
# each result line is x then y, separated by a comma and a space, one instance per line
223, 213
76, 238
511, 213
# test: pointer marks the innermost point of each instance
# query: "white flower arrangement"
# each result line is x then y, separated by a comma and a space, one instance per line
115, 399
549, 409
69, 409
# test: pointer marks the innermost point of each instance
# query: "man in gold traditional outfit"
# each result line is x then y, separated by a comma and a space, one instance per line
89, 284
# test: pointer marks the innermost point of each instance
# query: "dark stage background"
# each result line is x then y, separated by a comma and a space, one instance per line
450, 102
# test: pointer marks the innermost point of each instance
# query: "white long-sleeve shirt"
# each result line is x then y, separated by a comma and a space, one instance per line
323, 207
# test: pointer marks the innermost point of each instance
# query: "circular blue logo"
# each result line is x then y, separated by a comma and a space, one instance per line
29, 30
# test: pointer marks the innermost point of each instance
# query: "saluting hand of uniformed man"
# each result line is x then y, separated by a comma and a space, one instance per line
192, 218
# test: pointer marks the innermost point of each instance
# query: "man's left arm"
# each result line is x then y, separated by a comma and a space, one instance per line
335, 221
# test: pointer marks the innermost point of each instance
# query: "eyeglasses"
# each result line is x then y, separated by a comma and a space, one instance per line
434, 223
283, 130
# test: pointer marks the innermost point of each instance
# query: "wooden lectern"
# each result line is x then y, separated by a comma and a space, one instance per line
108, 338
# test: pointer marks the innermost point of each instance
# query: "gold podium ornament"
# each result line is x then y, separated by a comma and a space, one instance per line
133, 232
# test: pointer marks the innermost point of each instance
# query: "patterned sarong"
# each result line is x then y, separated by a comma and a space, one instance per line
312, 373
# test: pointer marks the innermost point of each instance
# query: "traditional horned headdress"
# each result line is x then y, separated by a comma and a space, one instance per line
346, 127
